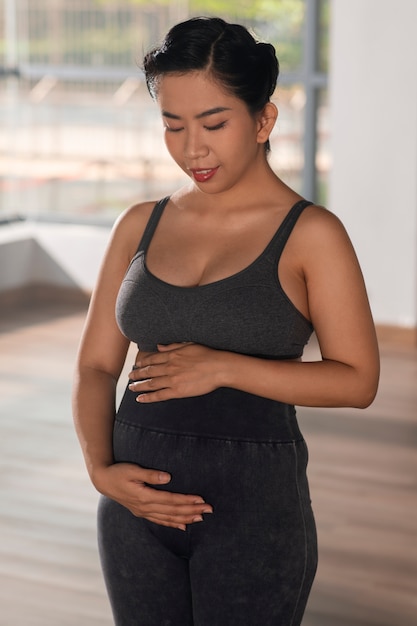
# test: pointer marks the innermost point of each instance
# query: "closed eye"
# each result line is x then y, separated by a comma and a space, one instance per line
216, 127
173, 130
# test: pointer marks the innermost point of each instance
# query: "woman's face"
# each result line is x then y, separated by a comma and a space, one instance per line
209, 132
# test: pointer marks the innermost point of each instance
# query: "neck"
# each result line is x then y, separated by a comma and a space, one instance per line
247, 191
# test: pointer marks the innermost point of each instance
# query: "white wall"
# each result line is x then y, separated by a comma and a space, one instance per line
373, 184
64, 255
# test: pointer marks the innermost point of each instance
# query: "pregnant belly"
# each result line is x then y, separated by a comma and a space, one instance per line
224, 413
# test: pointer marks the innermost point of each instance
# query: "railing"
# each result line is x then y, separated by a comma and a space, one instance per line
80, 134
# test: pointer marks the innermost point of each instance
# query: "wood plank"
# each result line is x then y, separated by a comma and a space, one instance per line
363, 475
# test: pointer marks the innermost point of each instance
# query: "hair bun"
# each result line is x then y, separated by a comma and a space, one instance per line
268, 65
245, 66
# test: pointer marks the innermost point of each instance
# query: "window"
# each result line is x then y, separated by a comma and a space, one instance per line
82, 137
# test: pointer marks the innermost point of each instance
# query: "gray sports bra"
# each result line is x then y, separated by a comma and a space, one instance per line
247, 312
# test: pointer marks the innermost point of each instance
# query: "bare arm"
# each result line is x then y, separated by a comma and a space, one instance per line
100, 361
348, 373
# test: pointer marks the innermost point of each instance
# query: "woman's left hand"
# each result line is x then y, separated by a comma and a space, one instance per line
177, 370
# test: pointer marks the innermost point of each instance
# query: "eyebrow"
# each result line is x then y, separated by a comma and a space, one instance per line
213, 111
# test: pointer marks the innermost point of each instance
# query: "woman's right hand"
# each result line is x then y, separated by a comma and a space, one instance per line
130, 485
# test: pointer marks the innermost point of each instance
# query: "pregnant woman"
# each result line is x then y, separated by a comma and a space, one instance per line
205, 516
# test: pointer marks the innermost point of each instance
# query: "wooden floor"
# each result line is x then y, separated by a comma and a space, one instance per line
363, 475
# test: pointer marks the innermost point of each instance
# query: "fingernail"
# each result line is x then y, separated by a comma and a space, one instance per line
197, 518
199, 501
163, 477
207, 511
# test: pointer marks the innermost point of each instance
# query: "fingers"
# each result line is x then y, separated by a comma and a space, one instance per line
155, 389
131, 486
149, 358
153, 378
149, 476
182, 370
147, 368
143, 364
169, 509
167, 504
188, 502
156, 364
156, 396
175, 524
141, 373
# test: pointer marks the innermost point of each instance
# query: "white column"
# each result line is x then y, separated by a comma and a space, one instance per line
373, 183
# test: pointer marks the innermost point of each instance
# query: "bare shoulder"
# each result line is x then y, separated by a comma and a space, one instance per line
130, 225
317, 219
322, 247
136, 215
320, 229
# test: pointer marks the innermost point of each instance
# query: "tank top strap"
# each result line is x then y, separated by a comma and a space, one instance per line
285, 229
152, 224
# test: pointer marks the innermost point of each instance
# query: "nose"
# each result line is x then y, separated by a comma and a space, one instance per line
195, 145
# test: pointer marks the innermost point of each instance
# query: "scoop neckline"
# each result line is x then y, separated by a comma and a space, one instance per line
233, 276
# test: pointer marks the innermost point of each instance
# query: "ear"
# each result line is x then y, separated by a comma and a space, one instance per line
266, 122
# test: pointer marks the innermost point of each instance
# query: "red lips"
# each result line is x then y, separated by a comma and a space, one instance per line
203, 175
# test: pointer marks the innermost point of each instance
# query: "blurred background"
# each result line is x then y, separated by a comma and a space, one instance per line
81, 135
80, 140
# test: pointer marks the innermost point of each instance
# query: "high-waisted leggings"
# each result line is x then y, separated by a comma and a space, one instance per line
249, 563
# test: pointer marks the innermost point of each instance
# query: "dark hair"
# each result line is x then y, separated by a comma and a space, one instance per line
247, 68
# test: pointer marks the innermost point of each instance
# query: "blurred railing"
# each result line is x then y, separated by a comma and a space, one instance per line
79, 133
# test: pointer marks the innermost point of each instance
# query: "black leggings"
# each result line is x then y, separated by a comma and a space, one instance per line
249, 563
